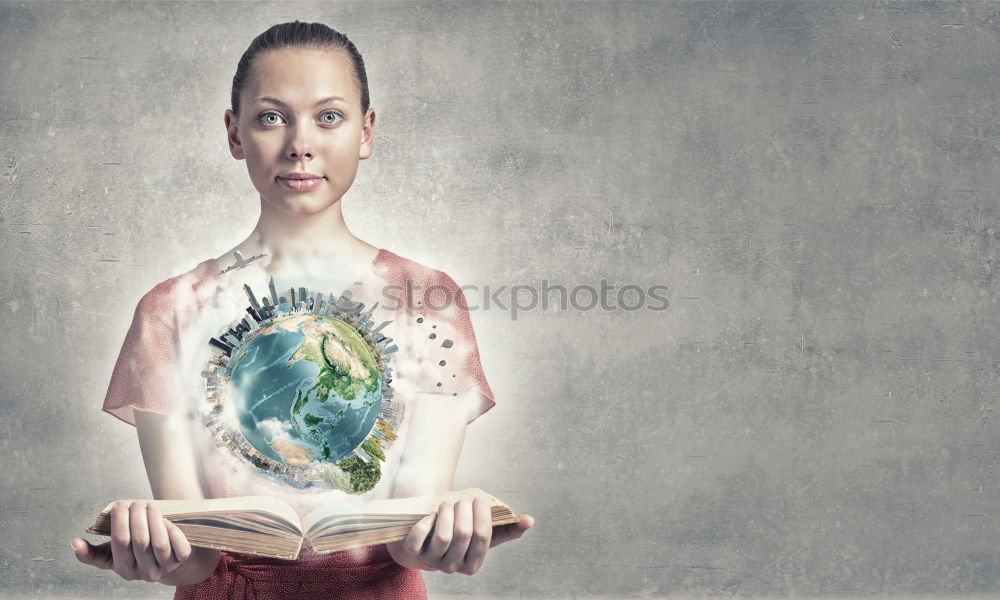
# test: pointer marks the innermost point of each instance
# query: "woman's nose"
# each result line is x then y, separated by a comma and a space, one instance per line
296, 151
299, 146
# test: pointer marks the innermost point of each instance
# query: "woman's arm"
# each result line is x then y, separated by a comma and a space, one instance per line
171, 466
434, 443
462, 532
169, 456
143, 545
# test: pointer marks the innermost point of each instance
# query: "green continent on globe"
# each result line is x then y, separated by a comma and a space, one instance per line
346, 363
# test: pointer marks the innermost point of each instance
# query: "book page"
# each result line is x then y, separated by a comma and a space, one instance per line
417, 505
271, 508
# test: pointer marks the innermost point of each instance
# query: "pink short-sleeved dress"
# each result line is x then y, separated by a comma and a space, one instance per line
161, 369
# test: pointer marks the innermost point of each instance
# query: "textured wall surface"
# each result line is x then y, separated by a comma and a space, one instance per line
814, 415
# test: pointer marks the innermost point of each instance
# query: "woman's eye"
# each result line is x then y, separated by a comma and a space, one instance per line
335, 116
263, 118
272, 118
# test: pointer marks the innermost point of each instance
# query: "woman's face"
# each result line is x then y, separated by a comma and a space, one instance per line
300, 112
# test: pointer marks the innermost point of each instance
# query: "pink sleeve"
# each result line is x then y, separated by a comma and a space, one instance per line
452, 340
146, 376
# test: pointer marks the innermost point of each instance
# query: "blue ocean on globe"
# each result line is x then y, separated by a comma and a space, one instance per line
305, 388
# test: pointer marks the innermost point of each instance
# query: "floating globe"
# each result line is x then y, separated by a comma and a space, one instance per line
305, 389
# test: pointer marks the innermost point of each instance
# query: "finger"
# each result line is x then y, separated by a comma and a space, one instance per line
441, 536
178, 542
121, 540
145, 562
461, 534
88, 554
414, 541
159, 539
506, 533
482, 534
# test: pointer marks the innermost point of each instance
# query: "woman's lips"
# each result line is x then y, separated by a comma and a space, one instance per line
301, 185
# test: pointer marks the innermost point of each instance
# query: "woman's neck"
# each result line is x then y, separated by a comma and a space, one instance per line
294, 242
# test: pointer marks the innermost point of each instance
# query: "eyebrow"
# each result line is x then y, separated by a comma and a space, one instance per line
280, 103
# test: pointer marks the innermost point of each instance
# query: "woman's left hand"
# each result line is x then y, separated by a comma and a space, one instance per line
456, 538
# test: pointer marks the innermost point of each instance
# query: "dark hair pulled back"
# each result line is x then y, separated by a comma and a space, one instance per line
298, 34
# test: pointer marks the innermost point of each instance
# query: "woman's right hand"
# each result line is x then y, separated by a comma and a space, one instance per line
144, 546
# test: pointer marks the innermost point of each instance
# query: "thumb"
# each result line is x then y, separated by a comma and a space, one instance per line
88, 554
513, 531
525, 523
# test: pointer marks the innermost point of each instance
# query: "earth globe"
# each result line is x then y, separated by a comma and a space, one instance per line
306, 390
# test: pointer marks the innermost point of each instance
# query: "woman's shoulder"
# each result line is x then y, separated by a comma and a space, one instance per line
422, 289
164, 297
401, 269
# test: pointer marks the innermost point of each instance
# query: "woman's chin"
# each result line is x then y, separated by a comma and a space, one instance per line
302, 206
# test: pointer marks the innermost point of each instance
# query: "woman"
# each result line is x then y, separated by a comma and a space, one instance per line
301, 120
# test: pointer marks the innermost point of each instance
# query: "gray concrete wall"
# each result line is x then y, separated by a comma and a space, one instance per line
814, 415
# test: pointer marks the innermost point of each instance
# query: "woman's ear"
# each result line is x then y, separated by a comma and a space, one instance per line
367, 135
232, 134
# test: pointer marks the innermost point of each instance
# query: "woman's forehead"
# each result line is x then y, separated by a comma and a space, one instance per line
302, 75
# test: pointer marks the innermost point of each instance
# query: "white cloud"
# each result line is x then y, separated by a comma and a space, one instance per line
272, 428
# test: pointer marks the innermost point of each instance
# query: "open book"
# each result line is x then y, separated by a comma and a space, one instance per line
269, 527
